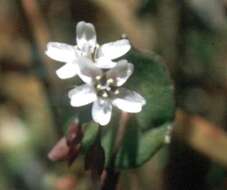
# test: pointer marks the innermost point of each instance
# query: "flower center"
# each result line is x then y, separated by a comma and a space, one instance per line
104, 87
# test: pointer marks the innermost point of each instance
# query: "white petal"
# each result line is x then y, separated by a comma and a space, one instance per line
129, 101
69, 70
86, 36
102, 111
87, 70
82, 95
105, 63
121, 72
115, 49
61, 52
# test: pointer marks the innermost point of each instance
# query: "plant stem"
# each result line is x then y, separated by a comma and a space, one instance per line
120, 133
110, 176
110, 179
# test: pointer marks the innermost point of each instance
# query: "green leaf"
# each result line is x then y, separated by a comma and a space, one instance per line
145, 131
148, 144
152, 80
137, 147
90, 134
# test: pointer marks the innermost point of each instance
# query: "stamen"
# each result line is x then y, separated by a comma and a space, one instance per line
116, 92
99, 86
98, 77
110, 81
105, 87
104, 95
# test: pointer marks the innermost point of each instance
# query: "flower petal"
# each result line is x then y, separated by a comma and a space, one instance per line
105, 63
102, 111
86, 36
82, 95
61, 52
87, 70
69, 70
129, 101
121, 72
115, 49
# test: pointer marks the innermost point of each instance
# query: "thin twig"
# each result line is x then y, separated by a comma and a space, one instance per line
38, 35
203, 136
37, 23
125, 17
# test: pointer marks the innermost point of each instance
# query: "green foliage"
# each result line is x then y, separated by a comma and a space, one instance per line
137, 147
91, 131
145, 131
151, 79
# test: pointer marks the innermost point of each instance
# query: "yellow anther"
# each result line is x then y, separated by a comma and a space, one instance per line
99, 86
98, 77
104, 95
110, 81
116, 92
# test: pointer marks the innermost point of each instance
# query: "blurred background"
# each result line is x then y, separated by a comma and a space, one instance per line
191, 38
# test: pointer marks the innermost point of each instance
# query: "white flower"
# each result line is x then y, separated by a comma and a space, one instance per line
87, 46
103, 88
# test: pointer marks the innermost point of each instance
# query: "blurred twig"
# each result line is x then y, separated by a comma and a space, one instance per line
36, 22
38, 34
203, 136
168, 18
127, 20
9, 66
